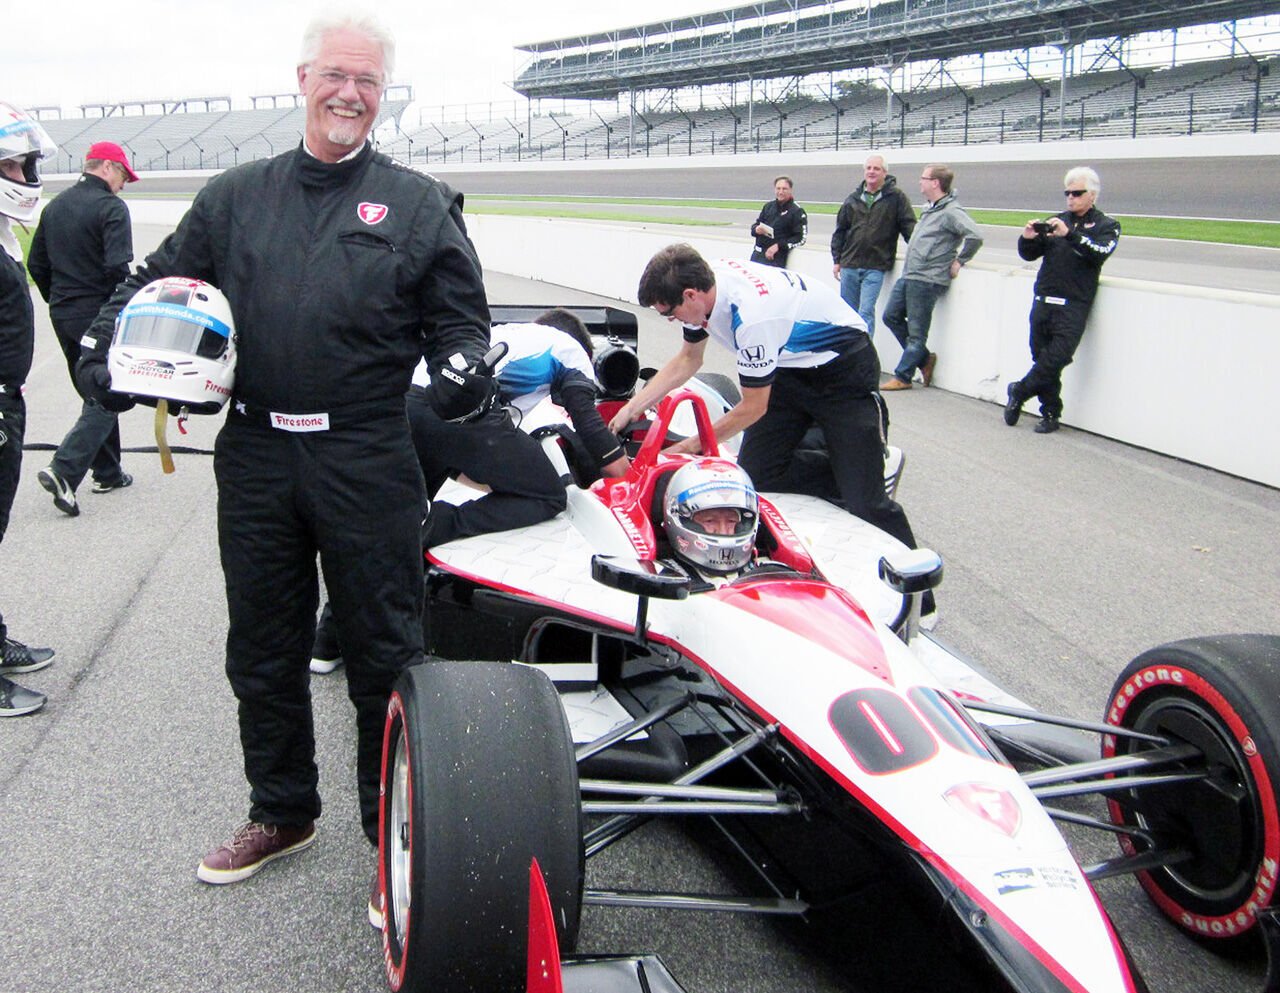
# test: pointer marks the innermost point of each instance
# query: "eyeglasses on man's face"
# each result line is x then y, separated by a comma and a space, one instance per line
368, 85
1074, 193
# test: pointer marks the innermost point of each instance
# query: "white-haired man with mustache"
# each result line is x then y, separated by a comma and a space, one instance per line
343, 270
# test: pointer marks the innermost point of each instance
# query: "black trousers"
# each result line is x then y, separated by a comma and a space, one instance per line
14, 409
840, 397
78, 453
1056, 330
353, 495
524, 487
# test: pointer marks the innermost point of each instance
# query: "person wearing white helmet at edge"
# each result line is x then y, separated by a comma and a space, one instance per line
23, 143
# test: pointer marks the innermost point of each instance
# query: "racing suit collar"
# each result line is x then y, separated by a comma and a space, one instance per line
312, 172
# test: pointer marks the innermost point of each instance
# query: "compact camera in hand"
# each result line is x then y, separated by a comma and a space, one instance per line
1042, 227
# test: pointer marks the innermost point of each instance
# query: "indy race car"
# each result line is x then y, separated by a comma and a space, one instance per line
590, 686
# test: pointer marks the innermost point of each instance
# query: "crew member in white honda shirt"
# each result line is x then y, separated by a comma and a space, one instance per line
803, 358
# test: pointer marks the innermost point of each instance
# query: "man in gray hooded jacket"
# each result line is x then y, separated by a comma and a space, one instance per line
944, 240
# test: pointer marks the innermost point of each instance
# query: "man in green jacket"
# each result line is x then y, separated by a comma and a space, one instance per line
944, 240
864, 246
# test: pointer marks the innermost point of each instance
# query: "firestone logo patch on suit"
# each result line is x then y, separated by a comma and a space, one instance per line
372, 213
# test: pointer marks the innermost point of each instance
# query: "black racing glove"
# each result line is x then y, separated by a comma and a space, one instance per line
94, 382
460, 396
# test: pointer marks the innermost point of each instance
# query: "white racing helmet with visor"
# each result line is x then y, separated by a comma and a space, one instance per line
176, 341
695, 493
22, 140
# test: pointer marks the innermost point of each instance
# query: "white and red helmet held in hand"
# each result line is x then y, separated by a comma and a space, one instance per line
176, 340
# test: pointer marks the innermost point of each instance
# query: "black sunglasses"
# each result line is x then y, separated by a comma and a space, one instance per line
1074, 193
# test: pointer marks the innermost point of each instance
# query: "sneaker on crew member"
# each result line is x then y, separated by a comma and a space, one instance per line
326, 653
106, 486
16, 700
64, 495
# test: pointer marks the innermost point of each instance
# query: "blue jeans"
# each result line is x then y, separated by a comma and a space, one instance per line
861, 289
908, 315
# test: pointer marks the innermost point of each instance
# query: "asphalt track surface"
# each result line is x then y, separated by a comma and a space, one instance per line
1066, 555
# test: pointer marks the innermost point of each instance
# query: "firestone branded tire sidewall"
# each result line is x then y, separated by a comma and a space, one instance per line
1232, 684
486, 781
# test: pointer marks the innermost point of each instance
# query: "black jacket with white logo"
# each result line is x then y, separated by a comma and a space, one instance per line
1073, 264
790, 226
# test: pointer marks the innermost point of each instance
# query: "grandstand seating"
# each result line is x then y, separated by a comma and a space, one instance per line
201, 140
1200, 97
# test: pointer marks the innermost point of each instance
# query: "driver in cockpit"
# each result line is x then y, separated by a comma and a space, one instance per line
710, 514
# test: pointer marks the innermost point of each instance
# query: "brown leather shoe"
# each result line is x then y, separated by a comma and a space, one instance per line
251, 847
926, 368
895, 384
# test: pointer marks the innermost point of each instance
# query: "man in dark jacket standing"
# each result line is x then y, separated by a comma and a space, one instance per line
781, 226
1073, 246
865, 243
342, 270
80, 251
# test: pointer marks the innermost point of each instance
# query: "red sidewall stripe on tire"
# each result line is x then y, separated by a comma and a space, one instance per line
395, 971
1243, 918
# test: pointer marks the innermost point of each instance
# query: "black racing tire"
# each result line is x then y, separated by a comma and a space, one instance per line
1221, 694
723, 385
478, 778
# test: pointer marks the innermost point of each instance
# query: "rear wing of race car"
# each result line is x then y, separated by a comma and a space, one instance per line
583, 974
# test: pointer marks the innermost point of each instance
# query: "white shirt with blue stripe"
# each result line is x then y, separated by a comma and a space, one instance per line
538, 358
773, 318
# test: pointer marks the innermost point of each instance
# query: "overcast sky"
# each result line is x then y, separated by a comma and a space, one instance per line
101, 51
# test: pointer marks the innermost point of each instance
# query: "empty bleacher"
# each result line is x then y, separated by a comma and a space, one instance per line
183, 140
1226, 95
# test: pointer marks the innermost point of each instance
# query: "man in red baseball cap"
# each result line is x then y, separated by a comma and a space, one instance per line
109, 151
80, 251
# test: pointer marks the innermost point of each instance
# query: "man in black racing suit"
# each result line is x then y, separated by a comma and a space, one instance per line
1073, 246
342, 269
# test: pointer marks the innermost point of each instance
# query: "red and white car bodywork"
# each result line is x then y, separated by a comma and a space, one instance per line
817, 663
